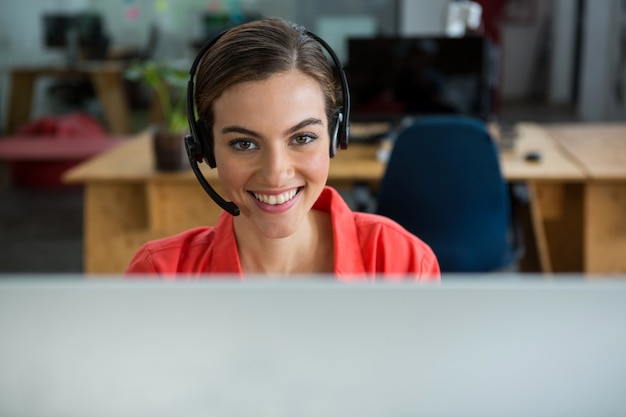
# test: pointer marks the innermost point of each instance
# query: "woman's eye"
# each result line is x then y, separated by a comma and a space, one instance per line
304, 139
243, 145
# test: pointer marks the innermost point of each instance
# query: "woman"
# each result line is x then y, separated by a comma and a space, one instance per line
269, 101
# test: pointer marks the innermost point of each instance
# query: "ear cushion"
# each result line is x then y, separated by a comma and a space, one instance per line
334, 138
206, 141
193, 148
344, 134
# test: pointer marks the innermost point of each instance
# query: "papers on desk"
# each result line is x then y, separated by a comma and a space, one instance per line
366, 132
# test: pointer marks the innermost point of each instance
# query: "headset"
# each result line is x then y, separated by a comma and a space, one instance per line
199, 144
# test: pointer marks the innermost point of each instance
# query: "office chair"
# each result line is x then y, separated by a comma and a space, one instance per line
443, 183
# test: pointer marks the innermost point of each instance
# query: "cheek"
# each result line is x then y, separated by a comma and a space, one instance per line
317, 165
231, 175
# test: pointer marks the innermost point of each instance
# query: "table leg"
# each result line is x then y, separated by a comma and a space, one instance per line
110, 92
119, 218
175, 206
605, 228
4, 175
21, 88
111, 213
557, 212
539, 231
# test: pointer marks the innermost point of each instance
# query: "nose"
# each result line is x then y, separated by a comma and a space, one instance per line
277, 166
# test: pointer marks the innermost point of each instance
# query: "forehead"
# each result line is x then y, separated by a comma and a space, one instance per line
289, 96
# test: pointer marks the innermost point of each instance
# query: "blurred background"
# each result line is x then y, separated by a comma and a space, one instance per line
540, 60
567, 53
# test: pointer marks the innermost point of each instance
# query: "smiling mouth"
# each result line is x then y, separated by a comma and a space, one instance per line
276, 199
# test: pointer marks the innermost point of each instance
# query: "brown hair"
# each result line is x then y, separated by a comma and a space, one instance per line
255, 51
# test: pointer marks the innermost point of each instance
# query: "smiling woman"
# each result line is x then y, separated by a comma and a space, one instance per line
270, 119
286, 136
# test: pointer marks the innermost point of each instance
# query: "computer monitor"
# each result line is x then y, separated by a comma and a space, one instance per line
499, 346
394, 77
83, 30
55, 29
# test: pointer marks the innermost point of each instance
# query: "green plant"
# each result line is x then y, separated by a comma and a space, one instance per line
169, 83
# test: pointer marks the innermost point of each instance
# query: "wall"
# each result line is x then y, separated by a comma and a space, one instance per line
520, 40
563, 52
422, 17
600, 71
178, 20
525, 68
20, 38
617, 91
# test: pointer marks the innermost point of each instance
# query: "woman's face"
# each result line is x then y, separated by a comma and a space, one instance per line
271, 147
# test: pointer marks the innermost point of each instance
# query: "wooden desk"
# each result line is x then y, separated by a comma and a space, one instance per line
555, 184
107, 79
128, 203
600, 151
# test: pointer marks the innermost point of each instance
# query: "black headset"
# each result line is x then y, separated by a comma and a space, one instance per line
199, 145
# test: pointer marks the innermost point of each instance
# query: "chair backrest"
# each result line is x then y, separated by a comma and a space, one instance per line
443, 183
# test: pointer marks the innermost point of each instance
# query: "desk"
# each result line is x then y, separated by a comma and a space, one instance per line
107, 79
600, 150
127, 202
555, 183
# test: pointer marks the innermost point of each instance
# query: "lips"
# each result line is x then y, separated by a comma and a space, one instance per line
276, 199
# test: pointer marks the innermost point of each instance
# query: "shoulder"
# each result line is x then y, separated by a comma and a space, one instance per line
372, 244
372, 225
390, 248
369, 222
169, 253
385, 231
187, 238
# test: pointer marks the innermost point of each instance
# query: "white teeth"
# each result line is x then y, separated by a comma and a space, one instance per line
276, 199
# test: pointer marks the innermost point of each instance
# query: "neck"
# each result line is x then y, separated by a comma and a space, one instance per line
309, 250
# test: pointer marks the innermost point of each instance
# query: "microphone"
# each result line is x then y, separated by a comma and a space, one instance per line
228, 206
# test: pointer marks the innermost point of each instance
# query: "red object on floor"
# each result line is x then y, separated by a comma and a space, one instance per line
42, 150
78, 125
36, 161
37, 174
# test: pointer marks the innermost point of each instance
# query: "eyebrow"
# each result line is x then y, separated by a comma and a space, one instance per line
239, 129
306, 122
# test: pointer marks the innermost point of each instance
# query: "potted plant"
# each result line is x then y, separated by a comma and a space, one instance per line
169, 84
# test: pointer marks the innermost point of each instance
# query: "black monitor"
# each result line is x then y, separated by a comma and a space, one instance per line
55, 29
394, 77
88, 28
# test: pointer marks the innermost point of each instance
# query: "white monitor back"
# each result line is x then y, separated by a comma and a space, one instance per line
312, 348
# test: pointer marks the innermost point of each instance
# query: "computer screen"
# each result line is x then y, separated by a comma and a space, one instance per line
393, 77
55, 29
88, 29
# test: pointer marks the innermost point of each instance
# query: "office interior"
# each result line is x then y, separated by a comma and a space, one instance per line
553, 67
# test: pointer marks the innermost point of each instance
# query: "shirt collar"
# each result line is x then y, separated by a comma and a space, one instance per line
225, 247
348, 256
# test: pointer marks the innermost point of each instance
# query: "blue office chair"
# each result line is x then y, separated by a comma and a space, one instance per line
443, 183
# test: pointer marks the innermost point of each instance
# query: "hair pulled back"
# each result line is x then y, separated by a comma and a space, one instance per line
255, 51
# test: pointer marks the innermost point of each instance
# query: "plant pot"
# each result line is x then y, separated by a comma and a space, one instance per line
169, 149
